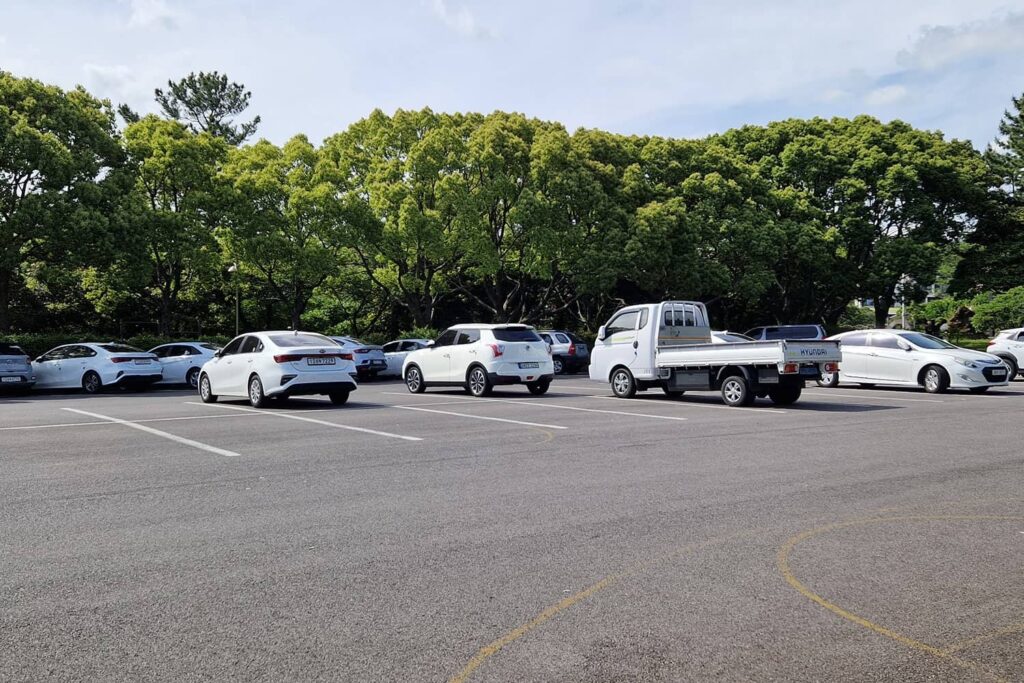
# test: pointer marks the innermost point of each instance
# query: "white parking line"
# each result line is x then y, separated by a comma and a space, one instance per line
309, 419
106, 422
828, 393
480, 417
518, 402
156, 432
689, 404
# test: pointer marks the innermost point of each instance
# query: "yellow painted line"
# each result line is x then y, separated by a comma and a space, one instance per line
782, 562
492, 648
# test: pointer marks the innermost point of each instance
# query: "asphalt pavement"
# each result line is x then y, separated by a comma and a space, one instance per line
859, 535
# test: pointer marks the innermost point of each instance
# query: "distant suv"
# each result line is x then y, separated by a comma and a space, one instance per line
776, 332
1009, 346
477, 357
569, 353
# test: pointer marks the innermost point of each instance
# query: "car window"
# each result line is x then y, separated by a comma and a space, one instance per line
884, 341
118, 348
447, 338
856, 339
926, 341
86, 352
233, 346
792, 332
159, 351
412, 346
623, 322
754, 333
468, 336
1020, 335
546, 337
643, 318
390, 347
54, 354
516, 334
208, 347
561, 338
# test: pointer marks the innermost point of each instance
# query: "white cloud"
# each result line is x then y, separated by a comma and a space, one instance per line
940, 46
459, 19
889, 94
149, 13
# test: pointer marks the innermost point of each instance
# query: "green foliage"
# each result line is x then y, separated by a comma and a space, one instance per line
939, 311
1000, 312
206, 103
856, 318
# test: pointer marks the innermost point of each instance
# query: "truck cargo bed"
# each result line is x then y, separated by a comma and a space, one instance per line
748, 353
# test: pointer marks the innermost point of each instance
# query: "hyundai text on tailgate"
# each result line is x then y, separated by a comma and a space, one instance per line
668, 346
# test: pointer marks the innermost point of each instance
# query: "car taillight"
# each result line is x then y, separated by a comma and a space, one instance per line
572, 349
345, 356
361, 351
119, 359
287, 358
498, 349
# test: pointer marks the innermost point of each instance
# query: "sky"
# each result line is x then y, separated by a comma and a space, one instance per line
657, 67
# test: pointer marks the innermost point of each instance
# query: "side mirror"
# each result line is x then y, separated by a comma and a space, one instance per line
905, 346
218, 353
601, 333
429, 345
38, 360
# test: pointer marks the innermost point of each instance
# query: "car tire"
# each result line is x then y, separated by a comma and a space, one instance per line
91, 383
414, 380
935, 379
673, 393
559, 365
736, 391
257, 397
477, 381
623, 384
1011, 367
829, 379
538, 388
206, 394
192, 378
978, 390
785, 395
339, 398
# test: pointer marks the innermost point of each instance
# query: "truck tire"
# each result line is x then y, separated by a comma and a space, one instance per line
623, 384
785, 395
673, 393
736, 391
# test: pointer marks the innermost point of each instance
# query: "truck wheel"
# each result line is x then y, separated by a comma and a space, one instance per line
623, 384
828, 379
736, 391
936, 379
673, 393
785, 395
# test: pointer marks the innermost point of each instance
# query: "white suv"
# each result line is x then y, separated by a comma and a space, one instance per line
1009, 346
477, 357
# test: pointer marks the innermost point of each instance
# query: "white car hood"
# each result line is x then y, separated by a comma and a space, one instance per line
966, 354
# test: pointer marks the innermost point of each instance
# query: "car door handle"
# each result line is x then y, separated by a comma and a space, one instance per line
636, 344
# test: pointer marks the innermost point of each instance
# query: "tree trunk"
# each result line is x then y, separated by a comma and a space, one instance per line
166, 313
882, 304
6, 277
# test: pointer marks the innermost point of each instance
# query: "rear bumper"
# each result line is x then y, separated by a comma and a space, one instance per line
25, 381
133, 380
297, 387
523, 378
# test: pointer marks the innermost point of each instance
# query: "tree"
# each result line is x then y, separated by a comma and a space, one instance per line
60, 177
1000, 312
207, 103
286, 224
177, 204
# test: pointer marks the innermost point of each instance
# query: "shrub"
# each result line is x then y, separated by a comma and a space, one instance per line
1001, 311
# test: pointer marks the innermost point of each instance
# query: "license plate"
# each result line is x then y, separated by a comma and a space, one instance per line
529, 365
142, 361
998, 373
314, 360
10, 379
378, 362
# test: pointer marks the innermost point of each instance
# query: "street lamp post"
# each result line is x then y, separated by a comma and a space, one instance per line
234, 269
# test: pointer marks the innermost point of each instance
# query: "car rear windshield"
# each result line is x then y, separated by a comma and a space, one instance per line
120, 348
209, 347
11, 350
515, 334
292, 340
793, 332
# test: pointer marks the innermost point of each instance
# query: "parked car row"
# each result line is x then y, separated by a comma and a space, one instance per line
668, 345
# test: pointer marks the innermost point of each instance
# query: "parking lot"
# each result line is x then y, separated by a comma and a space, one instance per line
857, 535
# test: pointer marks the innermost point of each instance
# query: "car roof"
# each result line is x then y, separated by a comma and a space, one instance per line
490, 326
409, 339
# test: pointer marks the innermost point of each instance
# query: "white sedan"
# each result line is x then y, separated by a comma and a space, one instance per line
92, 366
396, 351
265, 365
181, 361
905, 358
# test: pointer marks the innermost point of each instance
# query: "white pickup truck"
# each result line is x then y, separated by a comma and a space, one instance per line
668, 345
